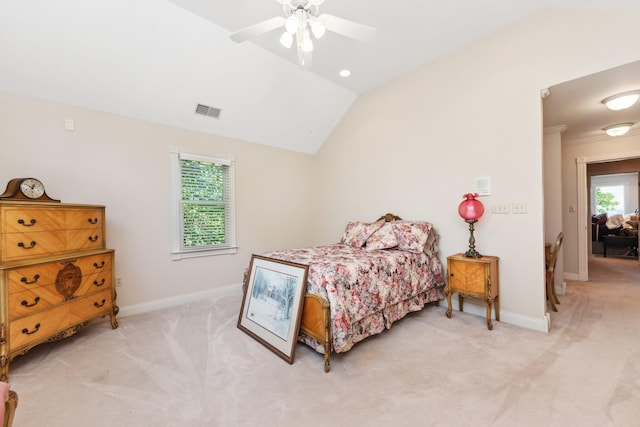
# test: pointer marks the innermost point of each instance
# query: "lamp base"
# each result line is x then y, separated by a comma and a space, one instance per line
472, 253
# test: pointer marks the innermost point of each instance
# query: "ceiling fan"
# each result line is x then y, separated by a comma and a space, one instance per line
300, 22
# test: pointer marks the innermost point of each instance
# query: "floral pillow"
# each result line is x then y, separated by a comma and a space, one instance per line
412, 236
384, 238
357, 233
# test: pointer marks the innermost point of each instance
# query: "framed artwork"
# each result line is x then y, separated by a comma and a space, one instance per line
272, 304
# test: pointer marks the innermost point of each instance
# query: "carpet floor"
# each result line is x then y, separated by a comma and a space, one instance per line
191, 366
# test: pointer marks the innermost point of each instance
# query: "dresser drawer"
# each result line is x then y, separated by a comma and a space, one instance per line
45, 324
32, 301
31, 245
84, 218
94, 263
94, 283
79, 239
29, 278
21, 220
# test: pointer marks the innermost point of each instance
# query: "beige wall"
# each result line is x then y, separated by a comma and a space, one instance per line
412, 147
552, 178
124, 164
415, 145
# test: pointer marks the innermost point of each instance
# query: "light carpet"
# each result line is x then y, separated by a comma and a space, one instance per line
191, 366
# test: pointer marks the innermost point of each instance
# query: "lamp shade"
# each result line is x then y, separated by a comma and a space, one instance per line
471, 209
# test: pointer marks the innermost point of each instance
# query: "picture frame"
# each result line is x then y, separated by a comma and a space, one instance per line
272, 304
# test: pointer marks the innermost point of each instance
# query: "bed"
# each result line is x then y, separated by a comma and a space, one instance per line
375, 276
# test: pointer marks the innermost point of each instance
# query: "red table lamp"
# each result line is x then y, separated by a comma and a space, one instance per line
471, 210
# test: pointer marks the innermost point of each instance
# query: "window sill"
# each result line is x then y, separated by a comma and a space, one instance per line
196, 253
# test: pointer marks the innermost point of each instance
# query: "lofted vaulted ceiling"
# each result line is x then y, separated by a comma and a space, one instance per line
157, 60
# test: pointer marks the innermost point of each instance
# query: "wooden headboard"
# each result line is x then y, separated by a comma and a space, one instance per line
389, 217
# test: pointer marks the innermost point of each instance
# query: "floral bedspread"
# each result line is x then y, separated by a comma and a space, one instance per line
367, 290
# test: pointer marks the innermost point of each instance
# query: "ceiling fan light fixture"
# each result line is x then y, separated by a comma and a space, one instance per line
307, 44
317, 28
618, 130
286, 39
291, 24
622, 101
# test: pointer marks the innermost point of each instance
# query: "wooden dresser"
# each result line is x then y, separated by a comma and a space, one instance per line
56, 274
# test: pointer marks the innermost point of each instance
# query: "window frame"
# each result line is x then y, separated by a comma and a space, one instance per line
627, 180
178, 251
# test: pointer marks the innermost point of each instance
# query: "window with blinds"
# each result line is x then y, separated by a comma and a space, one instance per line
205, 206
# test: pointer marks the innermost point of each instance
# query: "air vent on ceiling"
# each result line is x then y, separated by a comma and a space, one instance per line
208, 111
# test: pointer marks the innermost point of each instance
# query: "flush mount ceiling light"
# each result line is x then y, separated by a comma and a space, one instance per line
621, 100
618, 130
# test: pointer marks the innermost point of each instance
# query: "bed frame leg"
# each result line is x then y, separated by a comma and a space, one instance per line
327, 336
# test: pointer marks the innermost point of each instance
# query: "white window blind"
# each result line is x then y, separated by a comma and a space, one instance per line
204, 205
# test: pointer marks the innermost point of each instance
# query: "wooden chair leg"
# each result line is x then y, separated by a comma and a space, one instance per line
555, 297
550, 296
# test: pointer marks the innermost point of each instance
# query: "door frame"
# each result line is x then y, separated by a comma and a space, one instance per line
583, 210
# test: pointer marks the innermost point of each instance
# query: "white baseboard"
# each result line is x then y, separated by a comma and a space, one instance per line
563, 289
571, 276
547, 318
179, 300
472, 307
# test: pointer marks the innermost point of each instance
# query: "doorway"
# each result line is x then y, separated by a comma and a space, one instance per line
584, 226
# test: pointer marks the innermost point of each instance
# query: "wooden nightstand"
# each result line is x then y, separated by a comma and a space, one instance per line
473, 277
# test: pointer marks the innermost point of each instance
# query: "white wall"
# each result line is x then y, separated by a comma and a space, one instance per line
124, 164
415, 145
552, 176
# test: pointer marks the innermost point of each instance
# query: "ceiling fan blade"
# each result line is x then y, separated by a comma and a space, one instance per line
258, 29
348, 28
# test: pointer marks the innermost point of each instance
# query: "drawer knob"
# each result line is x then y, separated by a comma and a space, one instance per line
26, 304
96, 283
96, 265
93, 239
27, 282
100, 304
93, 221
28, 332
31, 223
23, 246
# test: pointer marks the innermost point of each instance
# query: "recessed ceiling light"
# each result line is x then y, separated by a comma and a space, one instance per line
621, 100
345, 73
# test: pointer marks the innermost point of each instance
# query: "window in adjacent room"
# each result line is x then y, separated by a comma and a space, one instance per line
203, 205
614, 193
